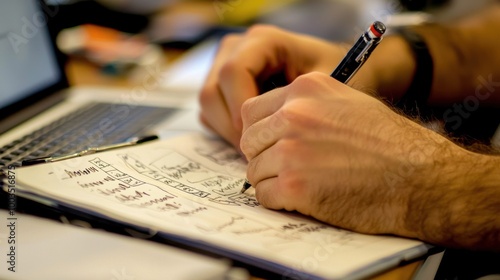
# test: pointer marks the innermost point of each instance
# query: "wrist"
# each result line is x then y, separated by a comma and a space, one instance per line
390, 69
454, 203
423, 163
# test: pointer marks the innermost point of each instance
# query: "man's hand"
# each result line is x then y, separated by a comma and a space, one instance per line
326, 150
245, 61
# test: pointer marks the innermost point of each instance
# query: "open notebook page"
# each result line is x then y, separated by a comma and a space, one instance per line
189, 187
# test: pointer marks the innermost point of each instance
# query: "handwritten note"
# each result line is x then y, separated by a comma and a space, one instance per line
189, 186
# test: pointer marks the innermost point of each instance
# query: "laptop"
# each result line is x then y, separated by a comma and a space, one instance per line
40, 115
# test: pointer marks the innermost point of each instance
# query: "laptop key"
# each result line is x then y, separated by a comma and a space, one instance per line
94, 125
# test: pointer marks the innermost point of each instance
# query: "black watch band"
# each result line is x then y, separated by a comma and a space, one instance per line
414, 102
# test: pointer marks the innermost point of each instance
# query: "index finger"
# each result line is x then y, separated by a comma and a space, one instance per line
257, 108
258, 55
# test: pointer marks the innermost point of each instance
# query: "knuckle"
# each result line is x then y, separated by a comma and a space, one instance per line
237, 121
285, 155
229, 68
263, 198
206, 96
261, 29
291, 184
292, 154
246, 107
253, 169
288, 114
284, 148
317, 76
312, 85
279, 124
301, 85
228, 40
293, 117
248, 146
309, 79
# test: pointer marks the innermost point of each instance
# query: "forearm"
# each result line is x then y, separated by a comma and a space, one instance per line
466, 55
459, 205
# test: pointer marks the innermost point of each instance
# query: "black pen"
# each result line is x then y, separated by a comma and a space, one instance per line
353, 60
359, 52
93, 150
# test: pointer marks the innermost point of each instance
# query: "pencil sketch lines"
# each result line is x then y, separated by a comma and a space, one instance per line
126, 182
178, 171
228, 224
157, 176
219, 153
115, 173
177, 166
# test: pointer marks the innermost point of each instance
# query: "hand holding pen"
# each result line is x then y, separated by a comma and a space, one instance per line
244, 61
353, 61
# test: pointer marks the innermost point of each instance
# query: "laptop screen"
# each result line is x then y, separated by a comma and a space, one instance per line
28, 65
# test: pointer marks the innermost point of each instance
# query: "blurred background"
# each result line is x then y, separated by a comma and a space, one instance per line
133, 40
183, 23
119, 35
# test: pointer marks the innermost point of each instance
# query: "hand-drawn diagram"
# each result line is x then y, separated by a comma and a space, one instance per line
219, 153
181, 187
171, 164
138, 193
179, 172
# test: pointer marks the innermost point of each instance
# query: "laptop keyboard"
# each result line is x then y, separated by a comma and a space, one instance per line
94, 125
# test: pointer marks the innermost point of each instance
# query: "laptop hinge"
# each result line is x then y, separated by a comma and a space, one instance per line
31, 111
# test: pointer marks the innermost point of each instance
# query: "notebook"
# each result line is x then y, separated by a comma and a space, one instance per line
40, 115
185, 190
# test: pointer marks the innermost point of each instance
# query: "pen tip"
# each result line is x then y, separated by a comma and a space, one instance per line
246, 186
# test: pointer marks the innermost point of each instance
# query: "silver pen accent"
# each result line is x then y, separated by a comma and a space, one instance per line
133, 141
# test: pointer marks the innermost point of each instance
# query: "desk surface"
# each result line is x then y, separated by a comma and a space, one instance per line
82, 72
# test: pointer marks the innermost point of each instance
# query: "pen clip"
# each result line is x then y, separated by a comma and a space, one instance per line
362, 55
74, 155
92, 150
